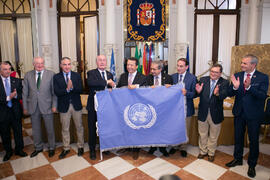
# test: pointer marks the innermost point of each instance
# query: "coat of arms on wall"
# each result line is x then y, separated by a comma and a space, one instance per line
146, 20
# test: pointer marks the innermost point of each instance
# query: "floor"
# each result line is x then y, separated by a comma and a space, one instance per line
123, 167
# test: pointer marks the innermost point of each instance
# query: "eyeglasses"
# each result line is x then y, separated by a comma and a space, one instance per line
215, 72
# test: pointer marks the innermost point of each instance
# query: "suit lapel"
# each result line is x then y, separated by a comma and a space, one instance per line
108, 75
33, 77
253, 78
219, 81
151, 80
2, 88
98, 75
241, 79
42, 78
12, 84
135, 79
207, 86
163, 79
63, 78
185, 78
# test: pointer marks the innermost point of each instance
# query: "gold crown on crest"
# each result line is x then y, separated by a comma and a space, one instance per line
146, 6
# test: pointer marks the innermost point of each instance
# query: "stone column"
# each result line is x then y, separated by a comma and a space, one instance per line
110, 30
180, 44
253, 22
46, 45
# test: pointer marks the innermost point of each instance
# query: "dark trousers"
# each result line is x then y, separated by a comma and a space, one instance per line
92, 135
11, 121
161, 149
253, 126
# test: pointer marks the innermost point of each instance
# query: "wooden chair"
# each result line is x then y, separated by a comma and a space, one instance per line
266, 120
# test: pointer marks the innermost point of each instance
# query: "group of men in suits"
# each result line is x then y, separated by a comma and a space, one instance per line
43, 93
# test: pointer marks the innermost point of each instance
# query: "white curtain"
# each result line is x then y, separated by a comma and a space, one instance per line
90, 42
25, 44
7, 41
227, 31
204, 43
68, 38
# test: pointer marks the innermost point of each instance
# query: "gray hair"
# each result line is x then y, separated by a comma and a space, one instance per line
38, 57
254, 59
65, 58
4, 63
159, 63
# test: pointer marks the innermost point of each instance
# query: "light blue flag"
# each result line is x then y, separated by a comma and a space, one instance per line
112, 67
141, 117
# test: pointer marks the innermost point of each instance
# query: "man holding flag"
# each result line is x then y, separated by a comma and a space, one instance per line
189, 82
156, 78
132, 79
97, 79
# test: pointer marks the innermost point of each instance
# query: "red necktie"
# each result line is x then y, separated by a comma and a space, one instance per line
247, 78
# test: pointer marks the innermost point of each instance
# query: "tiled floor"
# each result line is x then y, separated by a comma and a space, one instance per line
123, 167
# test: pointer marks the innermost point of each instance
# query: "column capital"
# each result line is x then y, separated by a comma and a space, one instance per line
180, 50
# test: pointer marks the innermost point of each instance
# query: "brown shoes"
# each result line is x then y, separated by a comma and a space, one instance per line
135, 155
201, 156
211, 158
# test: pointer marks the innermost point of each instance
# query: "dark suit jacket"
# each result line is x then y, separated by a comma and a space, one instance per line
190, 82
16, 106
215, 103
64, 97
139, 79
165, 79
95, 83
251, 102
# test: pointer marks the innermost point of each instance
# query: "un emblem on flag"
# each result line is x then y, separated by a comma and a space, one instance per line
140, 116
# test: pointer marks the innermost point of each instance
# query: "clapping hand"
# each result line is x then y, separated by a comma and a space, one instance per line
216, 90
69, 85
235, 82
199, 87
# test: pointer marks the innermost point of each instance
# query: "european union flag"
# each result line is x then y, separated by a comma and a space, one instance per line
141, 117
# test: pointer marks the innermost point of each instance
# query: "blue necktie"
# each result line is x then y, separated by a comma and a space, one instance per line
212, 87
103, 75
7, 88
180, 79
67, 78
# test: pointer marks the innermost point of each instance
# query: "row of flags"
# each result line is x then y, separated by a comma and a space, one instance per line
147, 58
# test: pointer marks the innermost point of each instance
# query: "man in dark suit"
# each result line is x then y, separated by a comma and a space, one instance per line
156, 78
97, 79
250, 90
39, 101
132, 79
212, 90
11, 111
68, 87
189, 83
